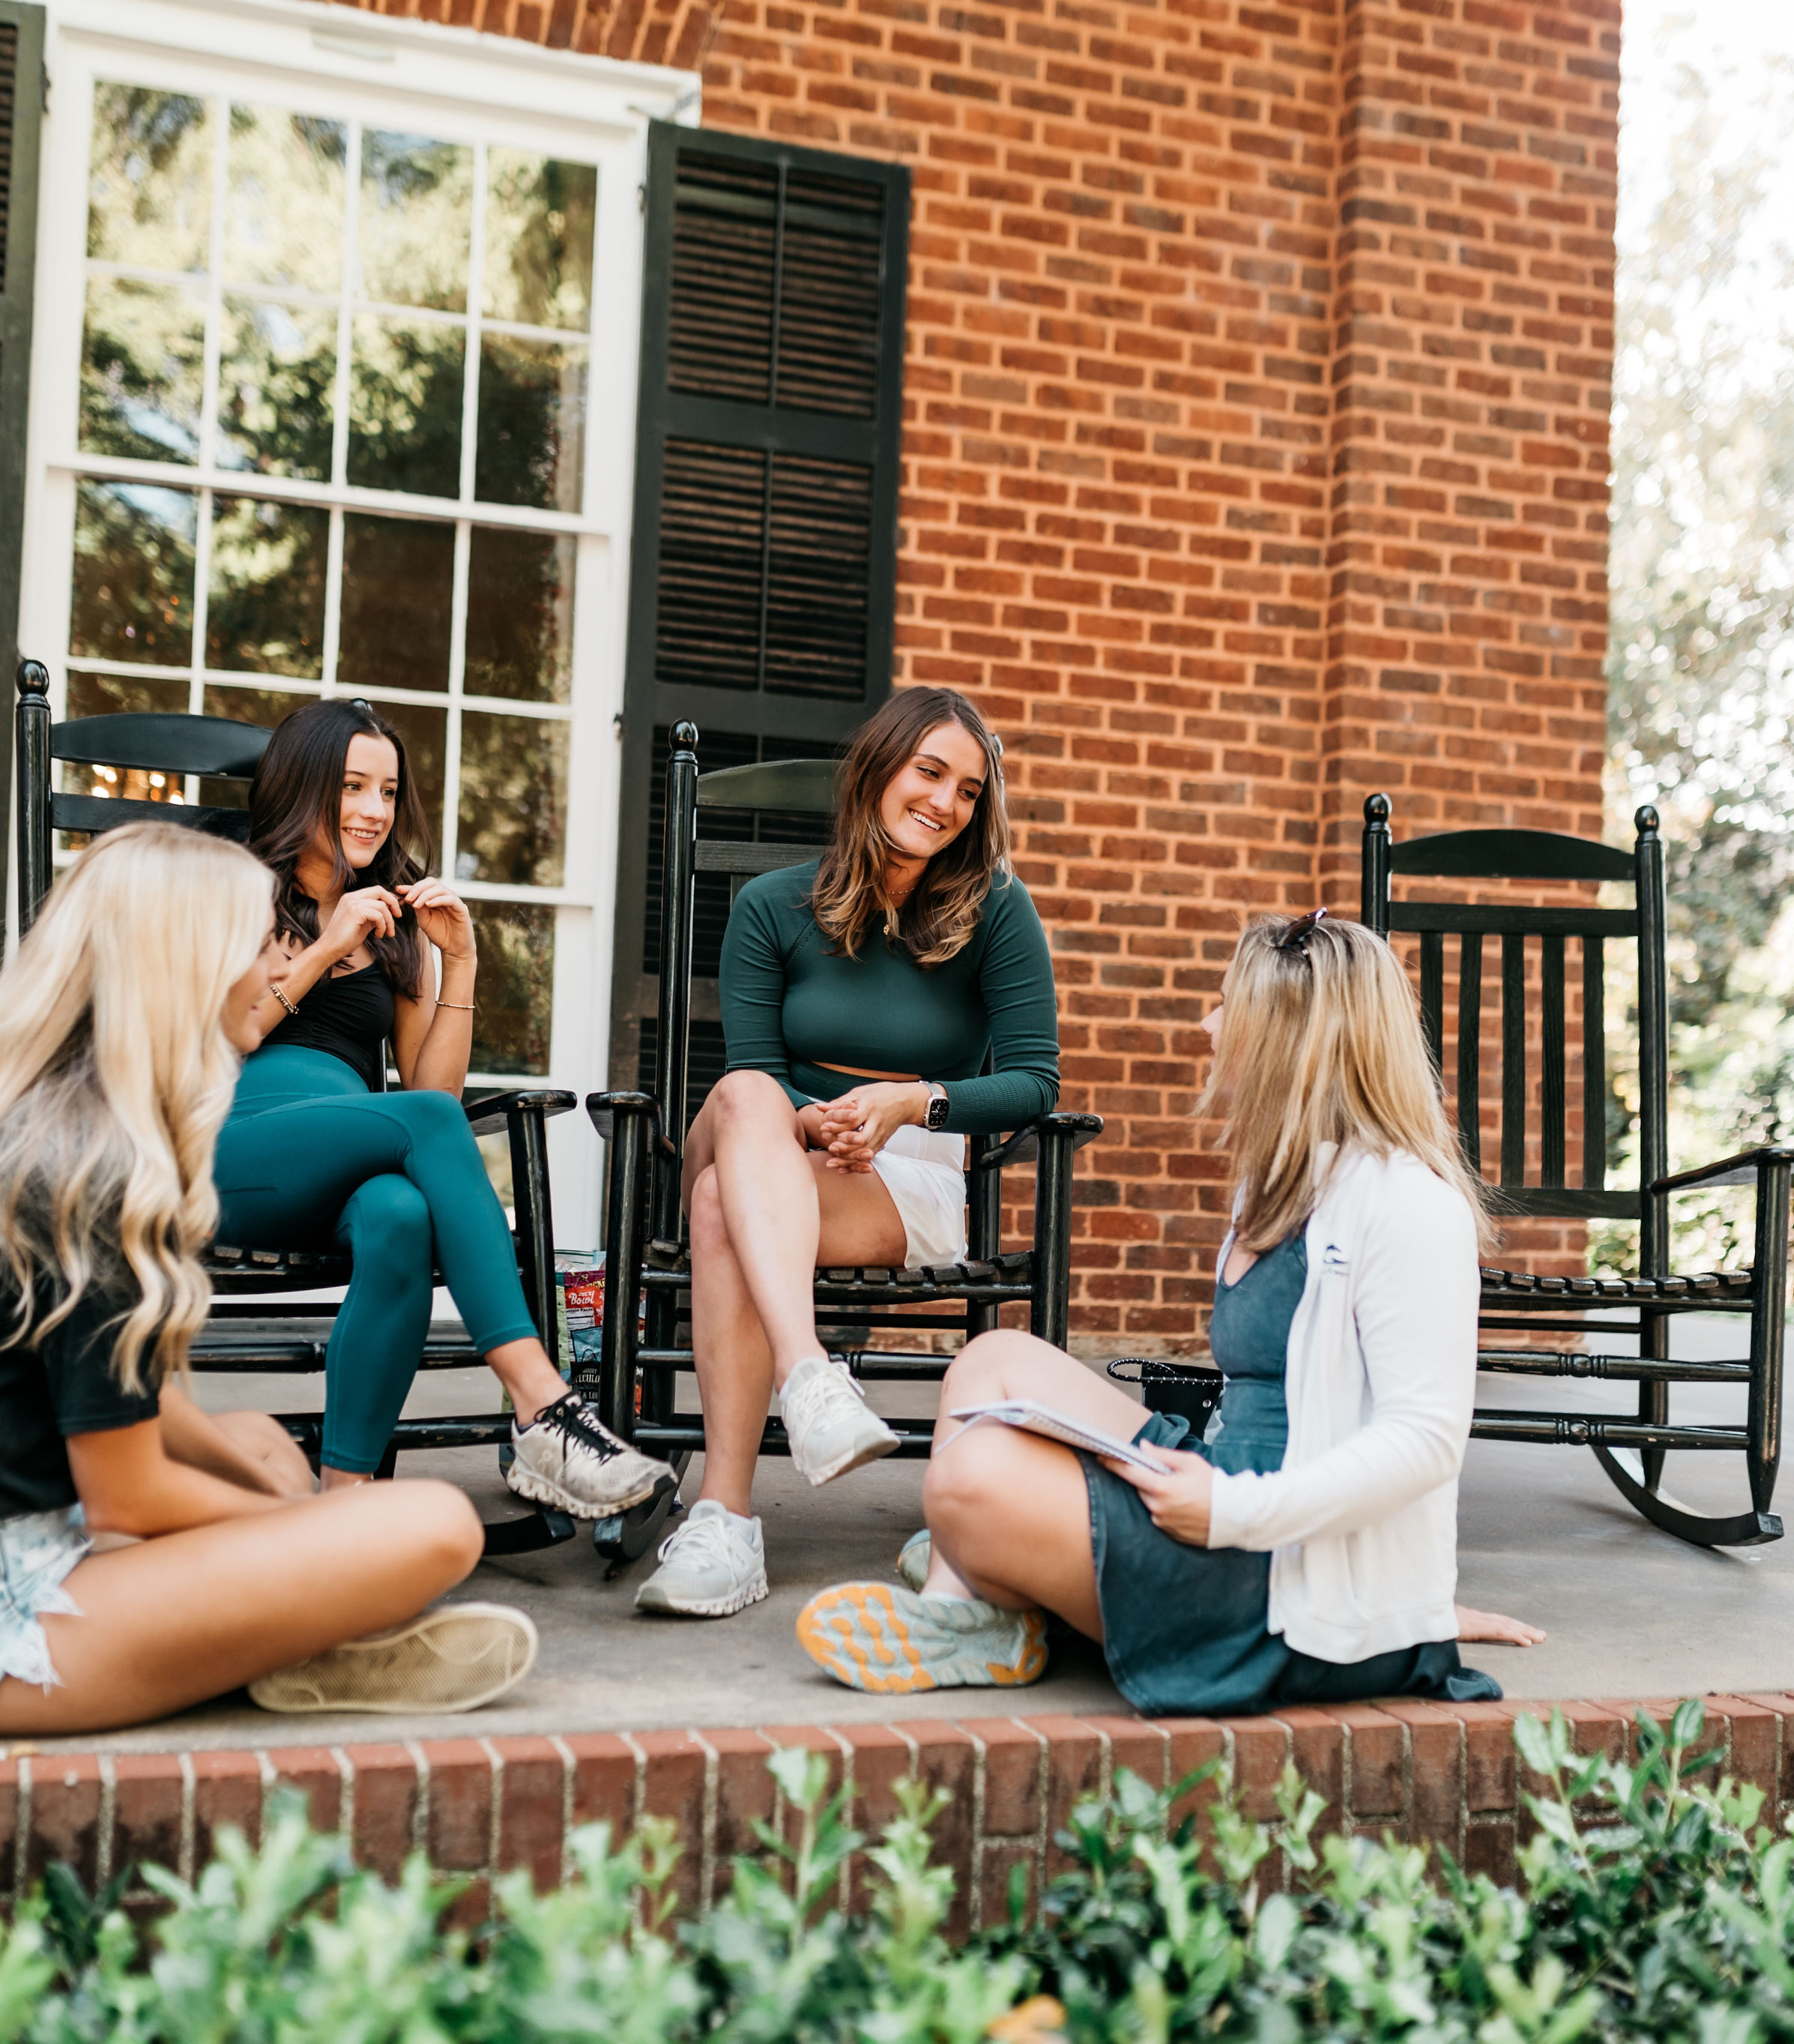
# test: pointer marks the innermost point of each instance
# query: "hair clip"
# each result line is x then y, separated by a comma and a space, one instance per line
1296, 938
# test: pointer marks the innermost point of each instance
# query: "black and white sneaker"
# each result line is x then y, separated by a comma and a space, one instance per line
565, 1458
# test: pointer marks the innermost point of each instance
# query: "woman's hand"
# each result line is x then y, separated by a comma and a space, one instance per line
442, 917
1179, 1499
810, 1119
1491, 1626
857, 1127
364, 912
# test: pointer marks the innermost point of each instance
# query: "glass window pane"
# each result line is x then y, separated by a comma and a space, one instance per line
416, 213
277, 374
513, 800
532, 424
405, 406
149, 188
266, 707
143, 350
520, 615
398, 581
514, 987
111, 695
265, 608
283, 208
105, 695
133, 573
539, 221
425, 732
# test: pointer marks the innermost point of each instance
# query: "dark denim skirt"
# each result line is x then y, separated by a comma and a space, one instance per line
1184, 1627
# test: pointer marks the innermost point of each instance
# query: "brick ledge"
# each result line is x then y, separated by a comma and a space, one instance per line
1444, 1774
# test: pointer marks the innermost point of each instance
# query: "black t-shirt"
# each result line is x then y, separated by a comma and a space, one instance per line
63, 1385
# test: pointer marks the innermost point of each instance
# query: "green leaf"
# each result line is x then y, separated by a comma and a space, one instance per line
1279, 1919
1689, 1722
1534, 1745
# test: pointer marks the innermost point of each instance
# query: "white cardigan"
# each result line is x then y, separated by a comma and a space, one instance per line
1362, 1519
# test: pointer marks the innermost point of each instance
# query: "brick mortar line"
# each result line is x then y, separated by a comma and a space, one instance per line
40, 1790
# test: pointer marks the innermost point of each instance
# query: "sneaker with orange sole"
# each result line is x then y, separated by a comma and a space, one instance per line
893, 1643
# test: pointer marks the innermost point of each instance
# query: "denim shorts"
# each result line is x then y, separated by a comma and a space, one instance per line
37, 1549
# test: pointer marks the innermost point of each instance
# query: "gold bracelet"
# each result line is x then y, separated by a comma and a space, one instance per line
467, 1007
279, 994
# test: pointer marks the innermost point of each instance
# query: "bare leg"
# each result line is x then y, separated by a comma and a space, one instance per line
170, 1622
524, 1369
1008, 1512
755, 1251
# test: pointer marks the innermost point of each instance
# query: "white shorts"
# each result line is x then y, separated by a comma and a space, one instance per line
924, 1172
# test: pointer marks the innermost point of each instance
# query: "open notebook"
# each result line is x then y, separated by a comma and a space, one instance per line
1036, 1419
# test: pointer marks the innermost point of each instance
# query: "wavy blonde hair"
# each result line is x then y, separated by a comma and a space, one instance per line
115, 1076
940, 918
1323, 1044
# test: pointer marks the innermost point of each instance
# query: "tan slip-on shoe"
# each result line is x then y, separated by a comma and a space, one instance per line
455, 1657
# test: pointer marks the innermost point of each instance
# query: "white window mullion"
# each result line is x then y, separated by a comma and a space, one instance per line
476, 298
457, 671
201, 605
345, 308
220, 112
332, 601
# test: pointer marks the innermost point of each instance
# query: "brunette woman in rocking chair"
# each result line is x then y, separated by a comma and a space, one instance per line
315, 1151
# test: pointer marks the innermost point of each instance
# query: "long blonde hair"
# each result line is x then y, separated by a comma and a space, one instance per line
115, 1076
940, 919
1322, 1043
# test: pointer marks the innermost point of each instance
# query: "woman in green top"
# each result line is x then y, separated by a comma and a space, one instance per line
863, 995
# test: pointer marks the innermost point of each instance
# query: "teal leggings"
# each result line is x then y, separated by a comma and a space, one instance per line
310, 1159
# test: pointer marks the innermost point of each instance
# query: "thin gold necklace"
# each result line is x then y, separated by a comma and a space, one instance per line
896, 912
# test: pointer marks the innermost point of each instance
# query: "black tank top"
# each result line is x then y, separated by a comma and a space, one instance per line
349, 1016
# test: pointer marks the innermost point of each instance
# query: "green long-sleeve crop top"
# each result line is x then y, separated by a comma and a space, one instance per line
789, 1006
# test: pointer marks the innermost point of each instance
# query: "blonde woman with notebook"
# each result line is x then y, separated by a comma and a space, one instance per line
1306, 1552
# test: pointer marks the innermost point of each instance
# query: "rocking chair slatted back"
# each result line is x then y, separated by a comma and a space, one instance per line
1632, 1450
1495, 856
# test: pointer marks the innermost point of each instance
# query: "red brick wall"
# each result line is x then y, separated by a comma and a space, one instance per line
1255, 458
1428, 1774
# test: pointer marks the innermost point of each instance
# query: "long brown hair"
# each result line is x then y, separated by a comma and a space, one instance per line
1322, 1043
938, 919
299, 786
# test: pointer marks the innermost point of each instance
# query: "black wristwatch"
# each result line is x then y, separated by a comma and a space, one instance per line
937, 1106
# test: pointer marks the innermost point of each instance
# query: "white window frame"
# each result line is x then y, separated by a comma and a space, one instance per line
461, 86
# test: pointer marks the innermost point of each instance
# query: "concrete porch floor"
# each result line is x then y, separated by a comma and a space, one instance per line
1631, 1613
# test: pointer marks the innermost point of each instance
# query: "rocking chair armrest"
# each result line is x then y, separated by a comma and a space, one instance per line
493, 1111
1023, 1145
606, 1110
1739, 1170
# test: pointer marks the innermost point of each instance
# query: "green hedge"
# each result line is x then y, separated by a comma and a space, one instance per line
1652, 1905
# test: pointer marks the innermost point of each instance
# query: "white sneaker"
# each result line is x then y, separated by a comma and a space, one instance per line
454, 1657
565, 1458
916, 1558
827, 1422
709, 1567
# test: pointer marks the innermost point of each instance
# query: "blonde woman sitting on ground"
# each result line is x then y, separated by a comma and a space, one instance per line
1308, 1554
122, 1016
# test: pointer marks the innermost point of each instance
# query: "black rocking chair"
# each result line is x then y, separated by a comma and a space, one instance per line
273, 1336
1631, 1449
647, 1253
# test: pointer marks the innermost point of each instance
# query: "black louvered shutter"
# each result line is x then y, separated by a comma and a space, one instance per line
21, 119
762, 586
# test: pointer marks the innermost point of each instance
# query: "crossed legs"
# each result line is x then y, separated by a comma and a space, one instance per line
169, 1623
765, 1211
